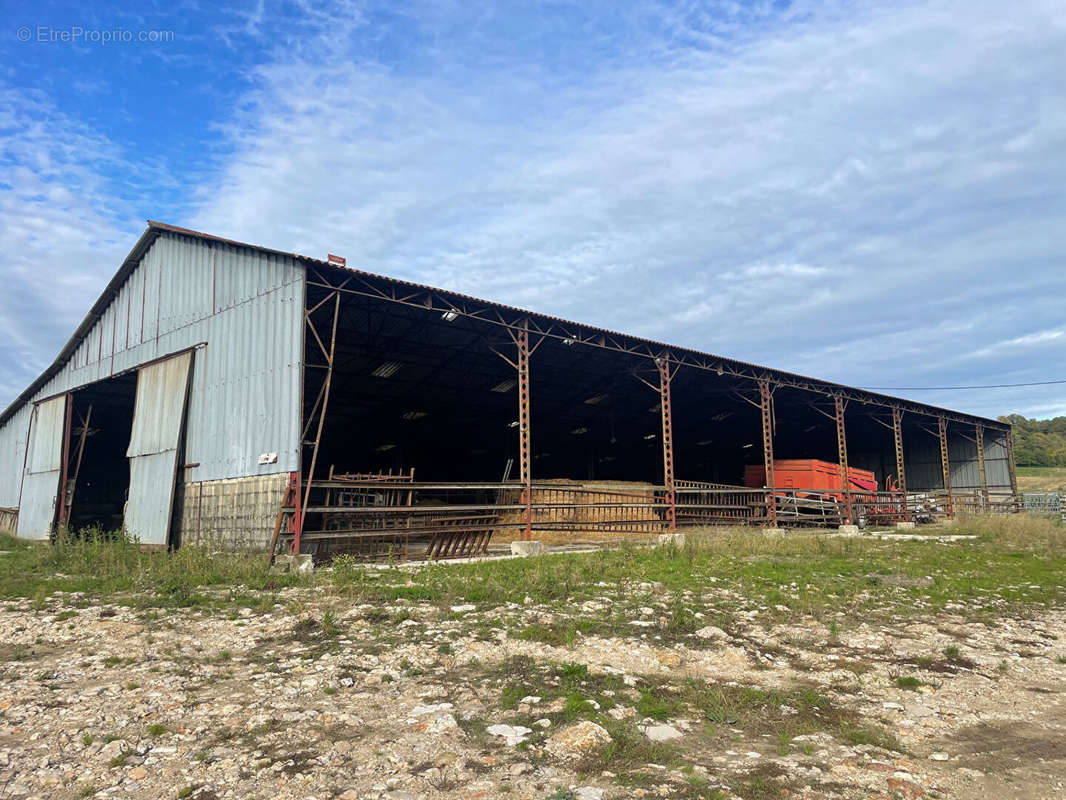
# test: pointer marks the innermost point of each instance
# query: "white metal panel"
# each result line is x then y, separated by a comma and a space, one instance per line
158, 413
13, 436
44, 459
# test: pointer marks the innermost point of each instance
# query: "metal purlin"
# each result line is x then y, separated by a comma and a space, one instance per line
839, 404
897, 438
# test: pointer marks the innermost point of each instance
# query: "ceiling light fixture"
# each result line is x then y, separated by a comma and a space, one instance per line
386, 370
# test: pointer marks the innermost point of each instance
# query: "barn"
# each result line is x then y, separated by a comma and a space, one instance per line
229, 395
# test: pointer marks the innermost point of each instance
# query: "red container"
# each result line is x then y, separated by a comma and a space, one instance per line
810, 473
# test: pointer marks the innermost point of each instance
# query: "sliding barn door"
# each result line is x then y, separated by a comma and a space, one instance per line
158, 419
44, 461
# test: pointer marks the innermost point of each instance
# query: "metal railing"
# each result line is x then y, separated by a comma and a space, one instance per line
373, 516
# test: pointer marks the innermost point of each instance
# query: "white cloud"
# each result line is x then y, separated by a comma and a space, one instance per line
865, 193
63, 231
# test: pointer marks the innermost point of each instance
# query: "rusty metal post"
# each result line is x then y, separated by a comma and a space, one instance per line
522, 342
842, 455
901, 470
668, 440
945, 464
330, 355
1011, 467
979, 430
766, 399
61, 496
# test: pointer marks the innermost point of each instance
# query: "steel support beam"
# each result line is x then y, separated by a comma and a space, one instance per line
897, 437
979, 430
317, 417
766, 408
842, 454
1011, 466
522, 364
437, 301
945, 464
61, 495
668, 440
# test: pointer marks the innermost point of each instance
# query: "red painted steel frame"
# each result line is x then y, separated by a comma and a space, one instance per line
945, 463
61, 497
979, 430
897, 437
842, 455
766, 399
668, 440
522, 344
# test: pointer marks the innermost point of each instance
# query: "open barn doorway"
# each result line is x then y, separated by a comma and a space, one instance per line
98, 473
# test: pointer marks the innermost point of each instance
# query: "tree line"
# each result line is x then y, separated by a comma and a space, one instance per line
1038, 442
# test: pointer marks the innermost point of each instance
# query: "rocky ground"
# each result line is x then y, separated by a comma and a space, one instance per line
316, 696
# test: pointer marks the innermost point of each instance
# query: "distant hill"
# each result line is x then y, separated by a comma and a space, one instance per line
1038, 442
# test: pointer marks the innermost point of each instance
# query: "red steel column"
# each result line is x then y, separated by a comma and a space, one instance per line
61, 497
668, 440
897, 436
945, 464
842, 456
979, 429
522, 342
1011, 467
766, 407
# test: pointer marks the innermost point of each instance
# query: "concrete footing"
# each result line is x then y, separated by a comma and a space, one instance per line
850, 529
905, 526
677, 539
300, 563
527, 548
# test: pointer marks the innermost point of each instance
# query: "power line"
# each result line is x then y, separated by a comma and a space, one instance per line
946, 388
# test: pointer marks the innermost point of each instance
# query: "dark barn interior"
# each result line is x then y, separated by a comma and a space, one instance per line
414, 379
101, 480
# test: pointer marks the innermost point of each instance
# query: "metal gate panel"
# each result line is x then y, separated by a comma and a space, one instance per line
44, 462
158, 416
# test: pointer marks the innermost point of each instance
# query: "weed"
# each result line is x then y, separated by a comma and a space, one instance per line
952, 652
157, 730
908, 682
86, 740
654, 703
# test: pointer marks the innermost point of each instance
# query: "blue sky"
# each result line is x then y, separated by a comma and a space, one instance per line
868, 193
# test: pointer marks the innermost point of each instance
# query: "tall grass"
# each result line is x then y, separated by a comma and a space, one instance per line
103, 563
796, 573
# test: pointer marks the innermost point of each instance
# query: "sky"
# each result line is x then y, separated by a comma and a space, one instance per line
869, 193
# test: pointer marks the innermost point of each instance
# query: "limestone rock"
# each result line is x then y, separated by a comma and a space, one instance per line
578, 740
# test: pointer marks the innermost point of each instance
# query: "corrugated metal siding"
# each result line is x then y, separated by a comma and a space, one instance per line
247, 307
160, 406
40, 486
962, 456
13, 455
997, 462
153, 449
921, 456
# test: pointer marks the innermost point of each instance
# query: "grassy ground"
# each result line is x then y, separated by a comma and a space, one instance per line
1014, 563
1041, 479
539, 628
